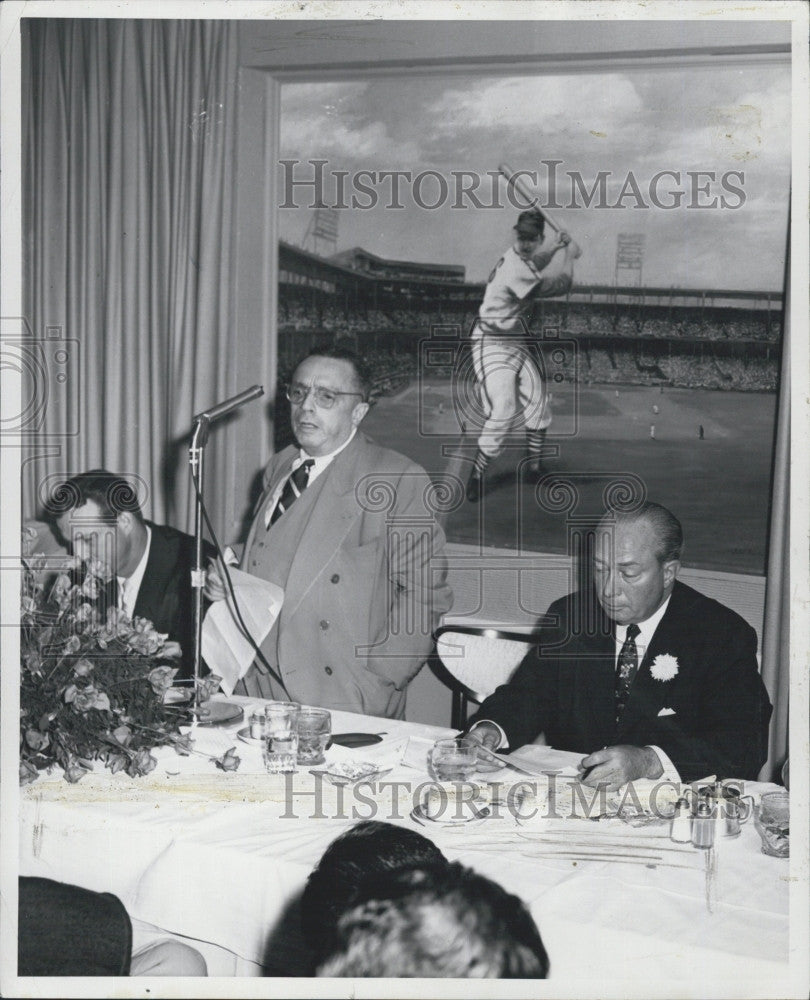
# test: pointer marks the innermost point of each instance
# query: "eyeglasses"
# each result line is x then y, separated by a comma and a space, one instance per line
324, 398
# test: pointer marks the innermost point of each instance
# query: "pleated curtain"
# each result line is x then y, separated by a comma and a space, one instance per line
128, 216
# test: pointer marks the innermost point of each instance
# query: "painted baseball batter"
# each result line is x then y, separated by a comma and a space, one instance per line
509, 377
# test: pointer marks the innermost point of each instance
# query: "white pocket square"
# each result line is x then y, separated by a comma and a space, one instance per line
666, 711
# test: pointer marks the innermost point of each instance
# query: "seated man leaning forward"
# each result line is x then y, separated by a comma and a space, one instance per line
649, 676
344, 527
99, 516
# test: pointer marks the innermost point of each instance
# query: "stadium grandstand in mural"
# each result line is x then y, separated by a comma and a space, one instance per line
678, 384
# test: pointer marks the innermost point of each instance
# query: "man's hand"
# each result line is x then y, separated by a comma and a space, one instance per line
615, 766
214, 588
487, 735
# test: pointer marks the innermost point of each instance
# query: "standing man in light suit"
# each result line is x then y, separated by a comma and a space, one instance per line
344, 527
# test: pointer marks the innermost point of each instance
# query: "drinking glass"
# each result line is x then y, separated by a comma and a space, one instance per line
314, 732
281, 736
772, 819
454, 760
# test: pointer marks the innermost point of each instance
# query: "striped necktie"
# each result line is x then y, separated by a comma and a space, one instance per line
626, 667
297, 482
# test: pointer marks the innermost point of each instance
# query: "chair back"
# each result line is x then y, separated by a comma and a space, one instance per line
473, 661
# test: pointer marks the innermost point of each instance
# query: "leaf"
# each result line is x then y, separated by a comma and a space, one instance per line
28, 773
123, 734
229, 761
75, 772
117, 762
35, 739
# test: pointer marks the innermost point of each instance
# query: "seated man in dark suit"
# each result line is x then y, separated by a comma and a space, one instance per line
651, 677
98, 515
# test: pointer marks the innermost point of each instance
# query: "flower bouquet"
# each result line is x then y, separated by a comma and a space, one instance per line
93, 681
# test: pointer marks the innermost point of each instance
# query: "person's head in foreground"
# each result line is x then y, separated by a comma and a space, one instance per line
636, 562
367, 849
436, 922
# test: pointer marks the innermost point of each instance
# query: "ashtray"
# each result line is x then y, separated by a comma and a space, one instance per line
350, 772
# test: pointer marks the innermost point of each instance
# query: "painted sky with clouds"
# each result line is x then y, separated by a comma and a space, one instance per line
715, 118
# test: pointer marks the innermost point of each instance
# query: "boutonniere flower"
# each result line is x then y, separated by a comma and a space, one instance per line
664, 667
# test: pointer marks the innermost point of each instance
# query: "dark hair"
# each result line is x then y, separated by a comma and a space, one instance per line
530, 223
368, 848
437, 921
667, 528
113, 495
342, 351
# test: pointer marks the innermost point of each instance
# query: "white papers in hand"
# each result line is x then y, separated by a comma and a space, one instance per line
224, 646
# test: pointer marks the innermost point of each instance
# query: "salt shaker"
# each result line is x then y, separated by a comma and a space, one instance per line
703, 825
681, 829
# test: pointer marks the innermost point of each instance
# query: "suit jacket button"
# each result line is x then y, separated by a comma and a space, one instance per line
335, 578
324, 624
327, 670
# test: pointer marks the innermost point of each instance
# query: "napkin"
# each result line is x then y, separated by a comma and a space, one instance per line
224, 646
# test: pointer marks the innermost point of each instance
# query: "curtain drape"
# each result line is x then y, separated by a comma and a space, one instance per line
776, 630
128, 215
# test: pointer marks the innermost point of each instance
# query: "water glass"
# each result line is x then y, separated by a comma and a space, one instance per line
281, 736
772, 819
314, 733
454, 760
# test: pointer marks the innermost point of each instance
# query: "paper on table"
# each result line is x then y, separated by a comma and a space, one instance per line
539, 759
416, 753
224, 646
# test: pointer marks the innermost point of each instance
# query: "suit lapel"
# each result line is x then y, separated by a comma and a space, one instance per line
156, 577
586, 664
647, 695
600, 705
333, 515
279, 469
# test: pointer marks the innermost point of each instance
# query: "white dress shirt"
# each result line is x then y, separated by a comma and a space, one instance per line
129, 586
321, 463
646, 631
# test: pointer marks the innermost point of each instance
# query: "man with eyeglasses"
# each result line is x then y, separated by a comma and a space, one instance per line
344, 527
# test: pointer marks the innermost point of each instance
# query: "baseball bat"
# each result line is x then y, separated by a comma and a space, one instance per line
518, 185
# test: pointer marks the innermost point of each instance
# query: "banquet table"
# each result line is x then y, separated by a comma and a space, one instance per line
220, 857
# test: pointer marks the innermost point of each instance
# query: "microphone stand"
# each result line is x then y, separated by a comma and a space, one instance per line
196, 453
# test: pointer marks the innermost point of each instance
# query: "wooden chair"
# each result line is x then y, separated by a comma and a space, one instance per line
474, 660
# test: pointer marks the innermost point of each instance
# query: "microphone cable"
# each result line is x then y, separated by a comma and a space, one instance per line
221, 560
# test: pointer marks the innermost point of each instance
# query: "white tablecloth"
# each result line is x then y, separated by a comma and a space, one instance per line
220, 858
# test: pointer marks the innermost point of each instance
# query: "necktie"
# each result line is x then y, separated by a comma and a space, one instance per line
626, 668
296, 483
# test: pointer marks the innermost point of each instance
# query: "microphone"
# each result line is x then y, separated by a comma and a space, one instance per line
221, 409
